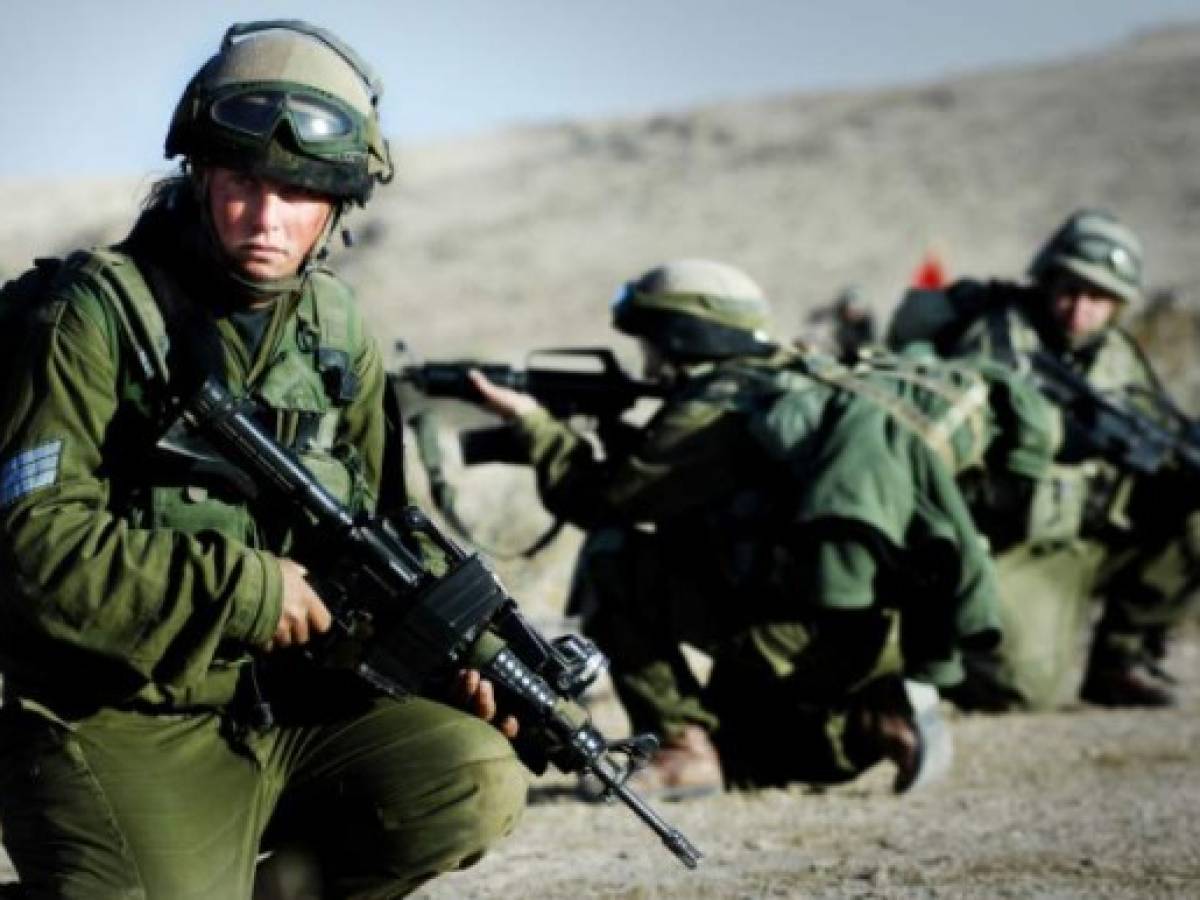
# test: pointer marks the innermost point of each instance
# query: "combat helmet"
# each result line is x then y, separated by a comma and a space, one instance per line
1096, 247
286, 72
695, 309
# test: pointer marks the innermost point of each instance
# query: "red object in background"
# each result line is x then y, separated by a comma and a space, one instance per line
931, 273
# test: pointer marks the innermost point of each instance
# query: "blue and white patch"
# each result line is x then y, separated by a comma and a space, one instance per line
26, 472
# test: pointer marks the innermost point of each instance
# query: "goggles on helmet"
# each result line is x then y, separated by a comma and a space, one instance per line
321, 124
1113, 256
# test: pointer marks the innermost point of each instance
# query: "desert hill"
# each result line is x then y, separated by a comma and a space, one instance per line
517, 238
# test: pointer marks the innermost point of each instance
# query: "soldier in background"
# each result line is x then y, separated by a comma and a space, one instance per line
799, 524
1072, 538
851, 321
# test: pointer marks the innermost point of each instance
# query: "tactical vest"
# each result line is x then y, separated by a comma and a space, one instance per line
301, 395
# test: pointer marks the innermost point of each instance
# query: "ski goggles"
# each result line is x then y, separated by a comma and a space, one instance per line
322, 125
1109, 255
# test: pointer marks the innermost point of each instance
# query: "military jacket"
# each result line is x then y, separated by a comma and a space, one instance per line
124, 583
755, 451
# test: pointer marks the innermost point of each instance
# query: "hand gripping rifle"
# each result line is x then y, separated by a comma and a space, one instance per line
1129, 439
568, 381
404, 629
1162, 452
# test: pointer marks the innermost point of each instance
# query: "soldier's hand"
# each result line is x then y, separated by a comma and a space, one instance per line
504, 402
476, 694
302, 615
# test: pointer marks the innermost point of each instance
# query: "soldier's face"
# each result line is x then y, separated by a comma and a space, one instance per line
1080, 308
265, 228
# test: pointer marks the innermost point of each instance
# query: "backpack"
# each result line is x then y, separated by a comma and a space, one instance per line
965, 412
938, 318
19, 301
25, 297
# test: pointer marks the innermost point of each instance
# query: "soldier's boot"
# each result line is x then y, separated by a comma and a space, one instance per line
1126, 682
685, 766
1124, 670
900, 722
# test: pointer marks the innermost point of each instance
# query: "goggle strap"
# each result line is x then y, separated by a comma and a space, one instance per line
326, 37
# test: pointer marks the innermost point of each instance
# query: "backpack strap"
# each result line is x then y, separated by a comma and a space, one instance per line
964, 404
340, 335
135, 307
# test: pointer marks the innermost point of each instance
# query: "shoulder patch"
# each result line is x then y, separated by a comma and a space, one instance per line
29, 470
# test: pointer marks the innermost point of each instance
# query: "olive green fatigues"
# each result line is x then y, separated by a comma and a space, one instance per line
133, 764
793, 530
1080, 537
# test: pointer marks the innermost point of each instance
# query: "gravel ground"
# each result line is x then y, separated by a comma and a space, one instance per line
1082, 803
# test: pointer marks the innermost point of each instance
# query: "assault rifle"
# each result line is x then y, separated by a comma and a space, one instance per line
405, 630
568, 381
1130, 440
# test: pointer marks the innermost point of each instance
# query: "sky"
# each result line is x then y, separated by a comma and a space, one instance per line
88, 87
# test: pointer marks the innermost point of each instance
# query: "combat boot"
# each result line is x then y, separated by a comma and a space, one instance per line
900, 721
685, 766
1127, 683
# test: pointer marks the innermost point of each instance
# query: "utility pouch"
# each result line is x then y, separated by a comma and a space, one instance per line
1056, 510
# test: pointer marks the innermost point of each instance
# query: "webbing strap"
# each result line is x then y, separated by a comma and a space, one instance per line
962, 406
936, 432
137, 311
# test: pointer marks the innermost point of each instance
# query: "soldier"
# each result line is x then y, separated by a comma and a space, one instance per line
144, 607
1072, 538
796, 522
851, 322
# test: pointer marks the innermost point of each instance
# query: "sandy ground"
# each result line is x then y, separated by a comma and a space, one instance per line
1082, 803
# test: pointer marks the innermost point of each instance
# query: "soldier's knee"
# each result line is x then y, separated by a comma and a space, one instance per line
490, 785
464, 809
502, 786
485, 806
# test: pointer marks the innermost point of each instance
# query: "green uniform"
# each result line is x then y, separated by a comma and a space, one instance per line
133, 764
1075, 539
792, 527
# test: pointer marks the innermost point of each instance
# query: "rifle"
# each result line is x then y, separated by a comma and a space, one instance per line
405, 630
1131, 440
599, 388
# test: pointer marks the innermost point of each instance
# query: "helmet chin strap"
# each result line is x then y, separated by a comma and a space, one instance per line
254, 289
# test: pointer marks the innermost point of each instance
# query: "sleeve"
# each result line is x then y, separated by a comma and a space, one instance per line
151, 600
679, 461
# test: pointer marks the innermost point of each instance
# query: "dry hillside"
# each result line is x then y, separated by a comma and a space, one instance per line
518, 238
